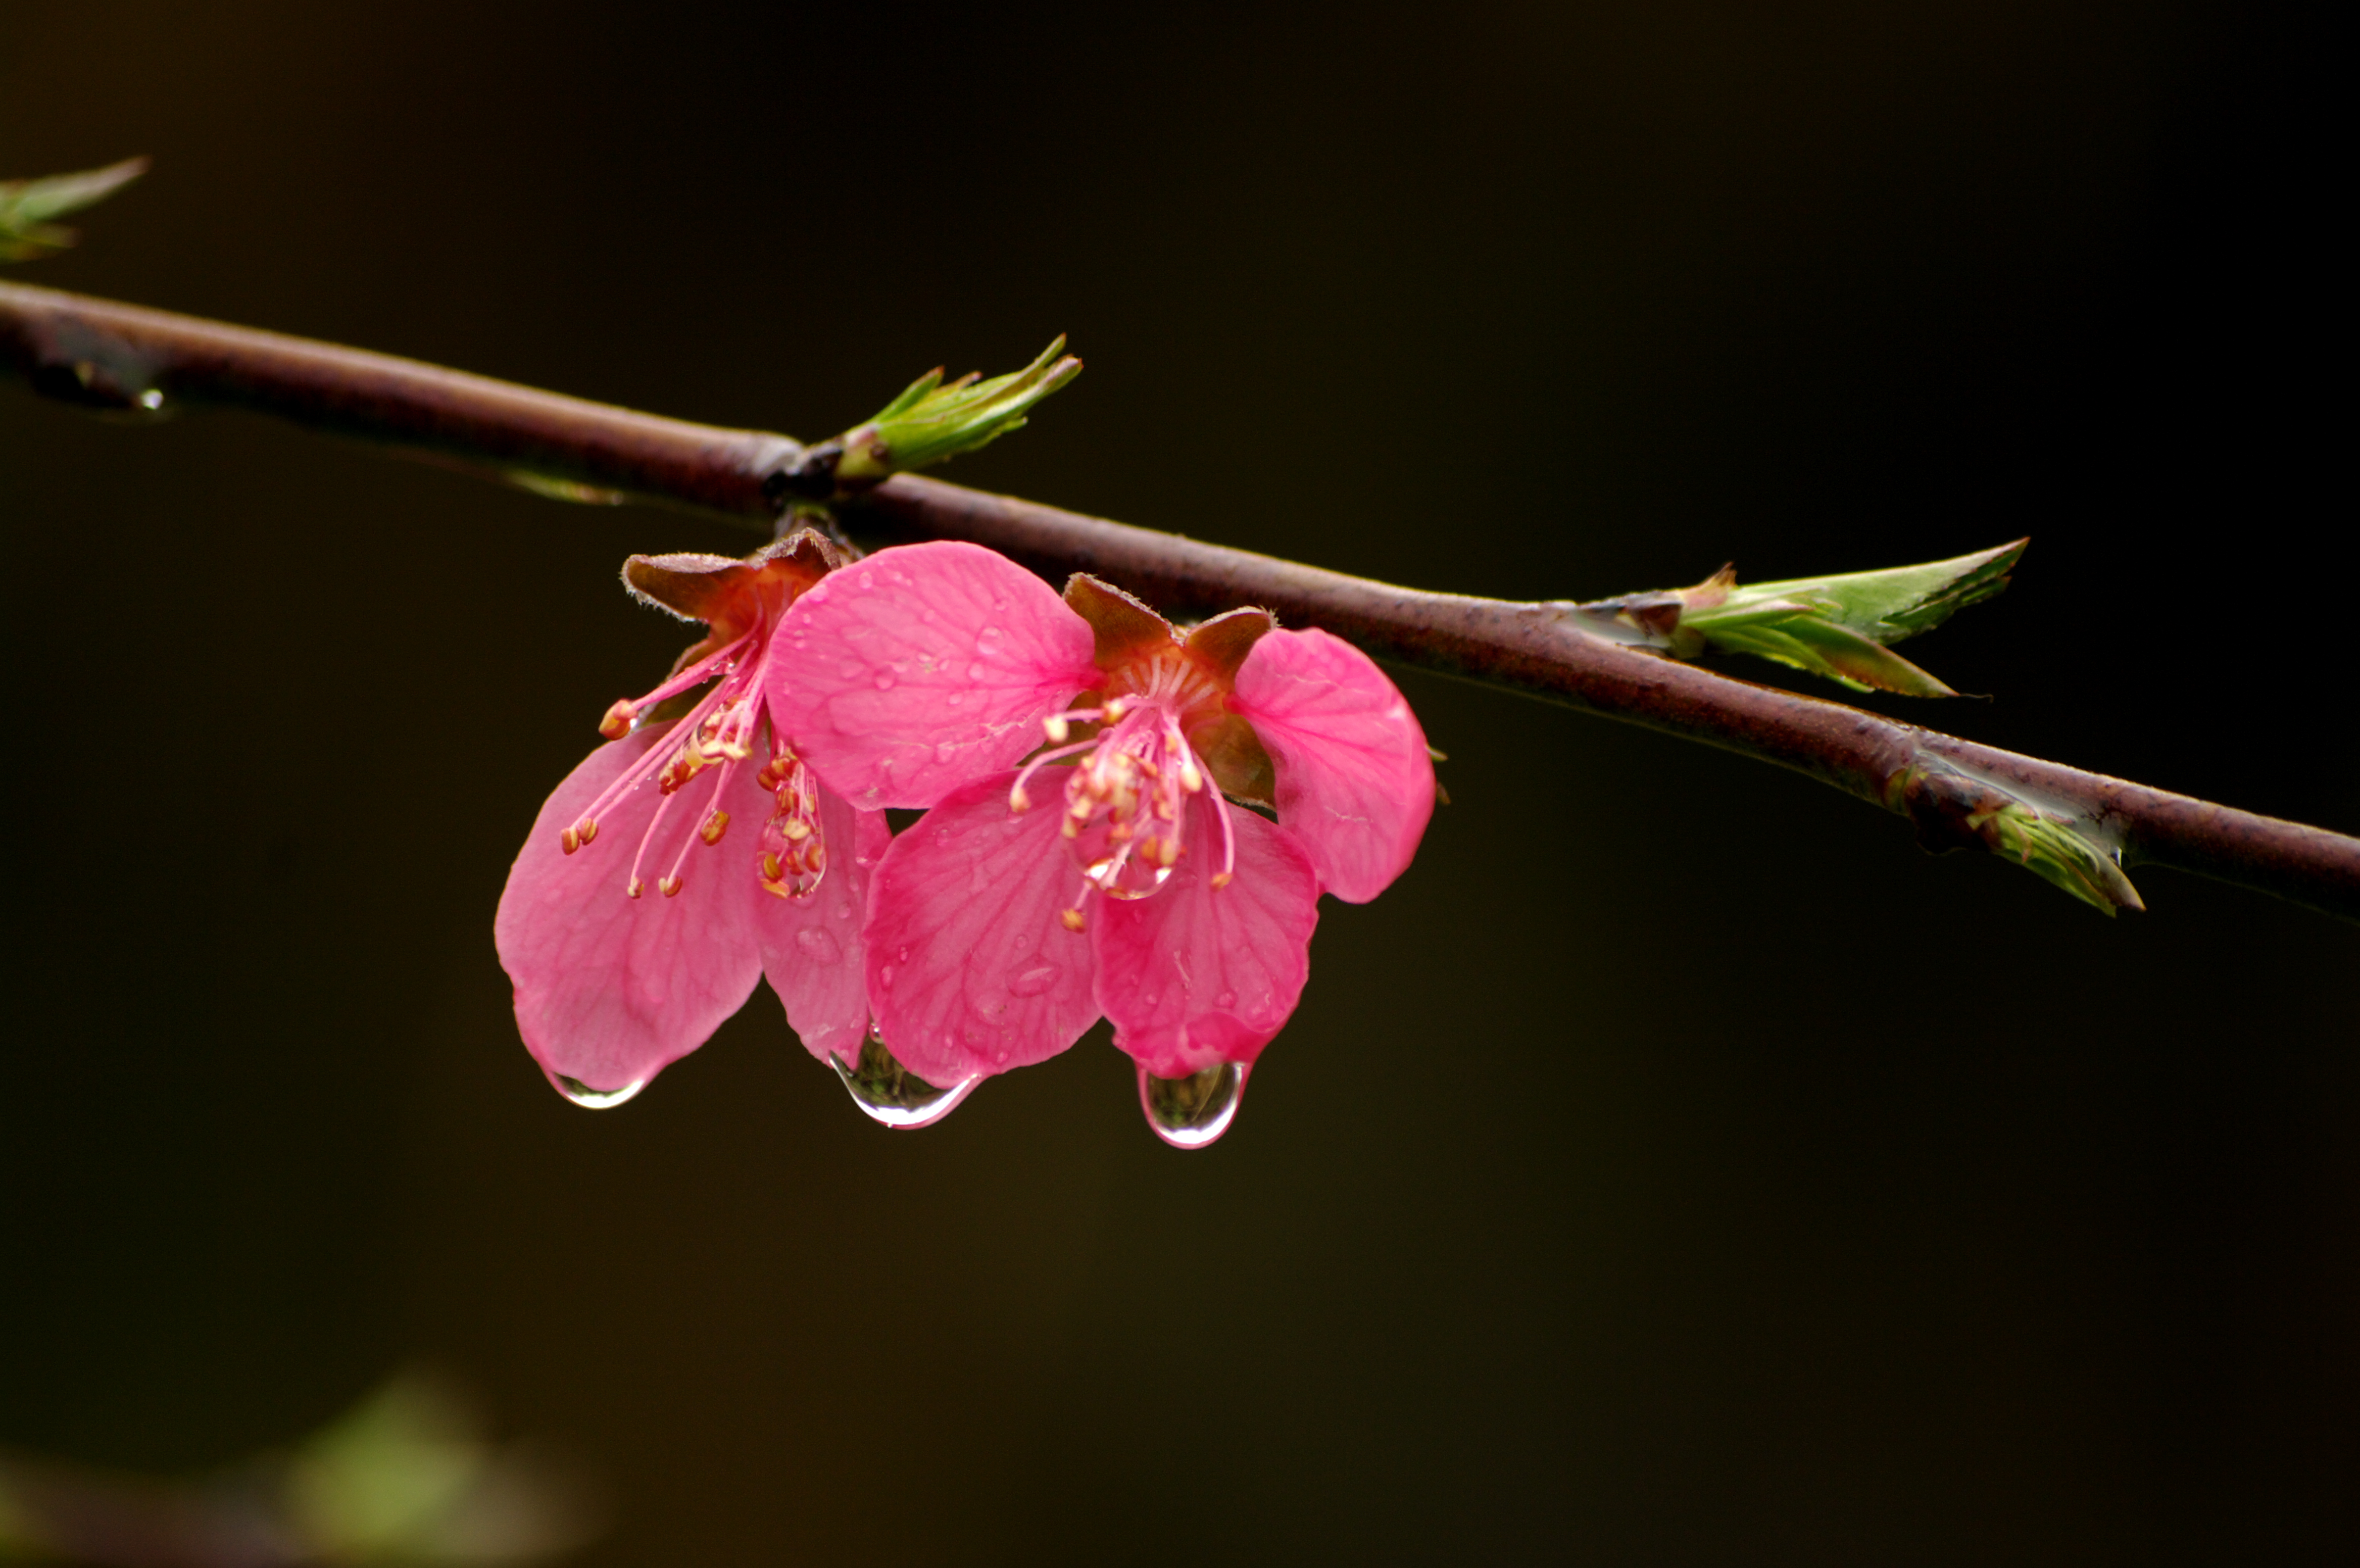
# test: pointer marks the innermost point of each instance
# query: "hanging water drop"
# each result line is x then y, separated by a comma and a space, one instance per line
591, 1098
890, 1094
1189, 1112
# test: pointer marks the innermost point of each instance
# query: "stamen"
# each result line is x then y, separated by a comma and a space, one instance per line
1035, 765
691, 678
714, 826
568, 840
618, 722
1227, 873
635, 777
671, 883
1072, 919
1056, 727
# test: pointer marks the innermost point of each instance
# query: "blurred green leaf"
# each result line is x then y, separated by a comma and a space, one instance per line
28, 206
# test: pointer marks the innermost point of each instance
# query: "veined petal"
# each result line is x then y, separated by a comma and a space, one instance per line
970, 968
912, 672
810, 948
1198, 974
1355, 782
609, 989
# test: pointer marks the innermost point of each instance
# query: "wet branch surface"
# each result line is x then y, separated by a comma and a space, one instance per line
123, 357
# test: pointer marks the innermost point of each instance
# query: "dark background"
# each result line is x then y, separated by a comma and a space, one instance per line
1675, 1166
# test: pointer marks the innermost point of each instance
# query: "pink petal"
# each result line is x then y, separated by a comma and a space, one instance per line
1355, 784
970, 968
1196, 974
609, 989
811, 947
907, 674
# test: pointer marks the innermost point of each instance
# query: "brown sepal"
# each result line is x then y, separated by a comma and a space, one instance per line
1125, 628
1221, 645
706, 587
1713, 591
1233, 754
723, 592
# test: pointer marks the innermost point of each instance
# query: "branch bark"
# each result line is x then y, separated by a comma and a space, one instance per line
110, 356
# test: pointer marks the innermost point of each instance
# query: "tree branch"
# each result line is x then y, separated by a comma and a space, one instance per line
1958, 794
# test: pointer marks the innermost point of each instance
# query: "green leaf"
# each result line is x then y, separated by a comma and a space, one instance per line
1839, 627
931, 422
26, 205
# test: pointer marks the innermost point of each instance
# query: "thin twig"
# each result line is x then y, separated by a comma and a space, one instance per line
121, 357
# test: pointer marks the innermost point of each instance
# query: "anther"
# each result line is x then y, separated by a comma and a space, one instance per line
1057, 728
1115, 709
714, 826
1018, 800
634, 889
668, 885
771, 870
588, 829
1072, 919
1221, 880
618, 722
1190, 779
795, 828
568, 840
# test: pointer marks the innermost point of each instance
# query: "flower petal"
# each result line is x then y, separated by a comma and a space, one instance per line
970, 968
1355, 782
1198, 974
812, 951
909, 673
609, 989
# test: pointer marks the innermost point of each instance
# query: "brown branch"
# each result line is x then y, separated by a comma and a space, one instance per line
97, 353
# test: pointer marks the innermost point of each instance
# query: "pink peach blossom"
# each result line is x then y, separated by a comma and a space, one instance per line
1029, 901
613, 985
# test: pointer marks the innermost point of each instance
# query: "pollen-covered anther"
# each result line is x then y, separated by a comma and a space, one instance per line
618, 722
714, 827
1070, 919
588, 828
568, 840
633, 888
1221, 879
669, 886
1057, 729
1018, 800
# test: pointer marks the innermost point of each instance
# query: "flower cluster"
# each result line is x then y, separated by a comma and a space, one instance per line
1091, 847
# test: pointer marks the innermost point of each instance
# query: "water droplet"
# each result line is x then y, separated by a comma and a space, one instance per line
591, 1098
1189, 1112
850, 669
1033, 981
977, 672
956, 698
890, 1094
818, 946
884, 680
1226, 998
